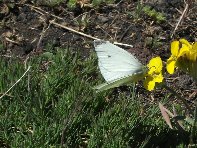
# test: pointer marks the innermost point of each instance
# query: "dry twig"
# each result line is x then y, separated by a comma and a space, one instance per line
180, 19
39, 10
16, 82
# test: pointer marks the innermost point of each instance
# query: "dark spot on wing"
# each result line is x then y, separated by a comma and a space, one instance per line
101, 51
99, 42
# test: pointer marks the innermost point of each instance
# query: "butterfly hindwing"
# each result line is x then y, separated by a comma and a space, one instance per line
117, 83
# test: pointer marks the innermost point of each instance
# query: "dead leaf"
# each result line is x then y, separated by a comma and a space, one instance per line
165, 115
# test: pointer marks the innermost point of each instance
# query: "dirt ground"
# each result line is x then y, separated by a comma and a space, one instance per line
28, 28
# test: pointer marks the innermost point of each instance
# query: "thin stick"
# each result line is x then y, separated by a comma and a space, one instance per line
116, 43
86, 35
72, 30
16, 82
45, 28
14, 42
180, 19
39, 10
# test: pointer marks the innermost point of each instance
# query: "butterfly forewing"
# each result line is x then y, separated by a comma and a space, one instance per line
115, 62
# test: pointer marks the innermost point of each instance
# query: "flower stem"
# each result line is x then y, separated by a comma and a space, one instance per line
178, 96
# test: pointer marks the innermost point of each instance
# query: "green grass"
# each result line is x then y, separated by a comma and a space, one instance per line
157, 16
145, 10
56, 98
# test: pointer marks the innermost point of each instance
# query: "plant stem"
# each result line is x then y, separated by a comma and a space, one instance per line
176, 94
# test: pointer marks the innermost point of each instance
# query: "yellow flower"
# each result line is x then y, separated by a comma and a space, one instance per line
176, 53
192, 54
154, 73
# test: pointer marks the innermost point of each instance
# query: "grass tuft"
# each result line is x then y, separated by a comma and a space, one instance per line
54, 104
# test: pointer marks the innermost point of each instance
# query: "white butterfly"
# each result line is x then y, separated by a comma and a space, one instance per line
116, 65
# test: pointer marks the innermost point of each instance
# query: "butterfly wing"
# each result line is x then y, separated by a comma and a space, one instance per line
115, 62
118, 82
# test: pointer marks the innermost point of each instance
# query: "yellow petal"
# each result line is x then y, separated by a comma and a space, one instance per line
194, 47
175, 48
158, 78
170, 66
155, 65
151, 70
192, 54
184, 49
184, 41
149, 84
159, 64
